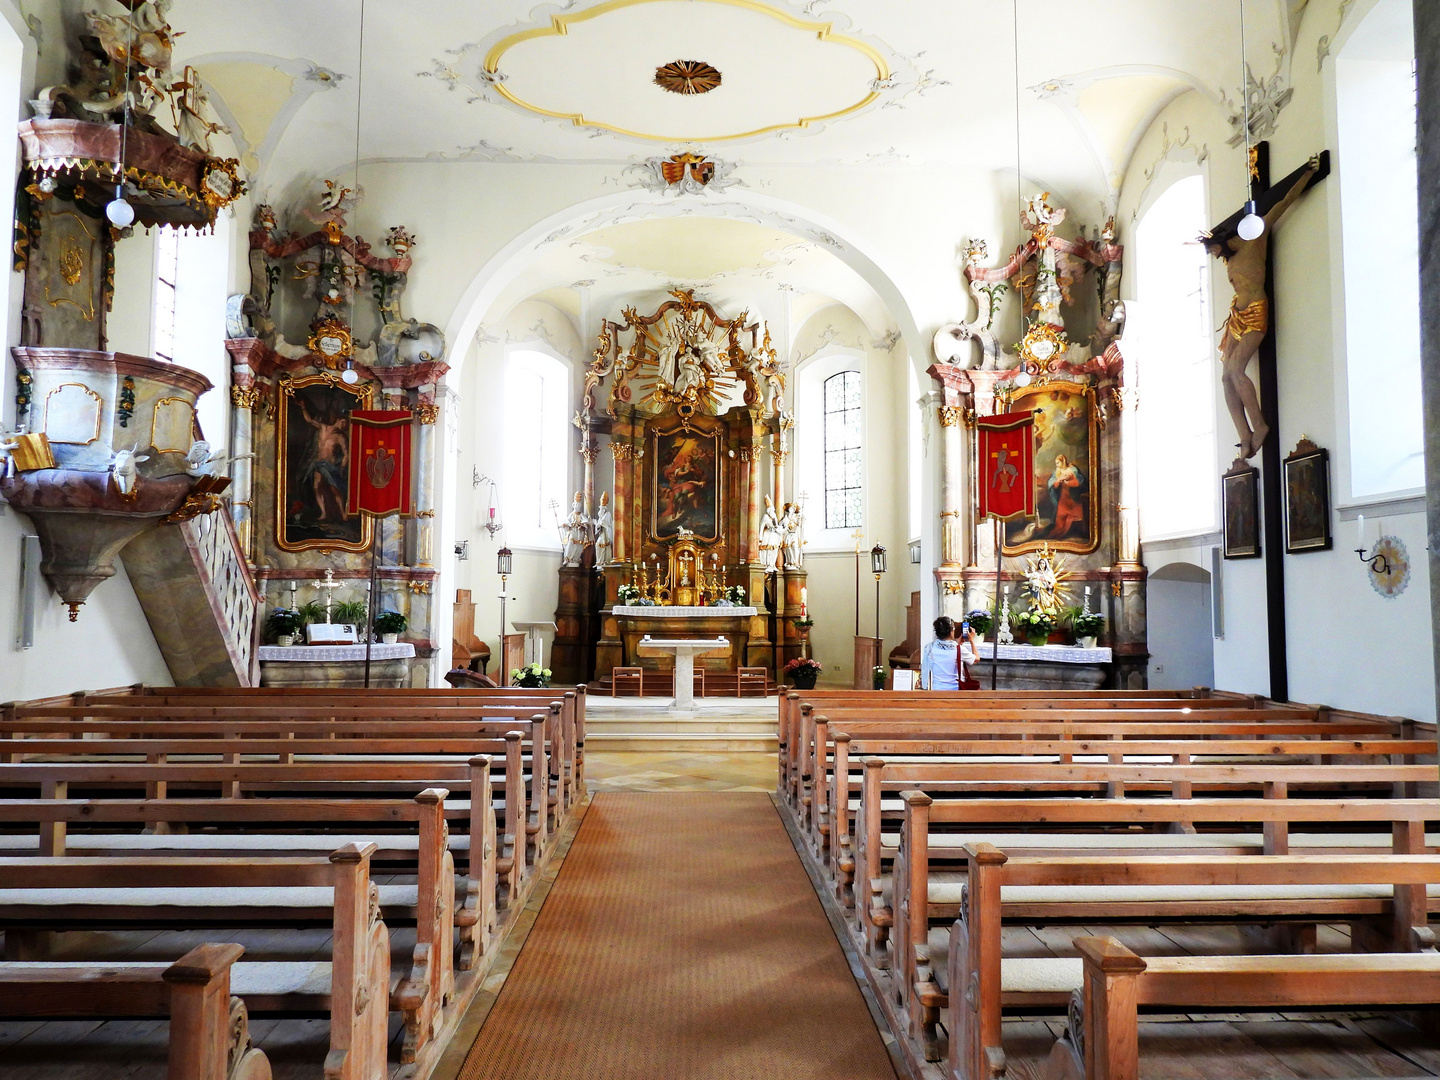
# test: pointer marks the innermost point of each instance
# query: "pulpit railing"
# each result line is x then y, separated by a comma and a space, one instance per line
229, 586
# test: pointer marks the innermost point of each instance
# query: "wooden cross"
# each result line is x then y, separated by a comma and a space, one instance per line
1267, 197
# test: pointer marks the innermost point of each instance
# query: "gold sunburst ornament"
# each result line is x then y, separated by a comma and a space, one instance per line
687, 77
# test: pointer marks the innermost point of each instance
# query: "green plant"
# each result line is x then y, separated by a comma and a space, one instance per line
627, 594
390, 622
285, 622
803, 623
736, 594
352, 612
1087, 624
980, 621
877, 678
313, 612
1033, 623
531, 675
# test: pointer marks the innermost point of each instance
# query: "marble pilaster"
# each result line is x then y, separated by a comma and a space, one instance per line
1427, 97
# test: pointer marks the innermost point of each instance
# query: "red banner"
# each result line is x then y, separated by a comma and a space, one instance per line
1007, 465
379, 463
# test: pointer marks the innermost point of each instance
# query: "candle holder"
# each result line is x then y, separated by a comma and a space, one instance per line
1376, 560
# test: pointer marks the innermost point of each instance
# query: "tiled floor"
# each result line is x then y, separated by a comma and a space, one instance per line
680, 772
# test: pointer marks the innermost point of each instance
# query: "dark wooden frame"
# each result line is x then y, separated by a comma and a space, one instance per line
1248, 480
1307, 453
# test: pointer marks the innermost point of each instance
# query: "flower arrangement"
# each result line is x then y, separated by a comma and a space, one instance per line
736, 595
285, 622
627, 594
803, 623
531, 675
390, 622
877, 678
803, 665
1087, 624
1036, 625
980, 621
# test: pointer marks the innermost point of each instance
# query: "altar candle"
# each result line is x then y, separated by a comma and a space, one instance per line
1360, 528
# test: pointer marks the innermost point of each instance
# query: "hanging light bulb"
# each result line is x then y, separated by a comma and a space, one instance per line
1252, 225
120, 212
350, 376
1023, 379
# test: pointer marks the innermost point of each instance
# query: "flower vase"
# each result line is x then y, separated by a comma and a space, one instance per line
389, 639
285, 640
1038, 639
1086, 642
804, 680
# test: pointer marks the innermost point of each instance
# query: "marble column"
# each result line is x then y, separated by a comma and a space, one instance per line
426, 412
245, 397
588, 450
952, 485
624, 455
1427, 59
752, 501
1127, 403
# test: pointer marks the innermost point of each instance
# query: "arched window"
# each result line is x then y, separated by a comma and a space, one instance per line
167, 271
1375, 115
1169, 336
536, 428
843, 462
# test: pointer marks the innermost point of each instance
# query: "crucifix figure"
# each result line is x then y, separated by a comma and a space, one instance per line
1247, 266
329, 584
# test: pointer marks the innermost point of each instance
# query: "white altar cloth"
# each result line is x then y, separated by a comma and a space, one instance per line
314, 654
1053, 654
684, 650
684, 612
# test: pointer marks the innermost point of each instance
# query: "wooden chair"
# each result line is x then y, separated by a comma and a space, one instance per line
627, 673
699, 682
752, 678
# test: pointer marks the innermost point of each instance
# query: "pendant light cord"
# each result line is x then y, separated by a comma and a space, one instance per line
125, 105
1245, 97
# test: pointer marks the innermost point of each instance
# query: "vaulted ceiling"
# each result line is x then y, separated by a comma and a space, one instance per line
843, 84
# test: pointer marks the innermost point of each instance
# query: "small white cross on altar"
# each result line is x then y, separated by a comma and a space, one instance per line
329, 584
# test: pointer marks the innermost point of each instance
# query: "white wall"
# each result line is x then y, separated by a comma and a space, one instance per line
1177, 606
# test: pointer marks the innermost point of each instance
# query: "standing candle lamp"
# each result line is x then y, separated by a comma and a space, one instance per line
877, 567
504, 563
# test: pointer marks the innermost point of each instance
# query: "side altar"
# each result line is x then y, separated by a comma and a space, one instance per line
690, 403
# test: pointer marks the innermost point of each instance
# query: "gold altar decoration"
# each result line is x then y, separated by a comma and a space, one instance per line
1047, 574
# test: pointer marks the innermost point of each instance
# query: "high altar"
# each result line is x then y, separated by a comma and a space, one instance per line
689, 403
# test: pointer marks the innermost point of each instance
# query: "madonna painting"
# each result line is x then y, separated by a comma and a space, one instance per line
687, 485
1066, 466
313, 466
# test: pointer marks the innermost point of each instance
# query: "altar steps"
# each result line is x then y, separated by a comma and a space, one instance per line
653, 725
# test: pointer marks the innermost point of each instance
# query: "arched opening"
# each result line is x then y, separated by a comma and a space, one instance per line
1179, 627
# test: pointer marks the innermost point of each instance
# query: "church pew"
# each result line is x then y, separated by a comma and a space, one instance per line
209, 1028
1102, 1037
172, 893
130, 724
1179, 888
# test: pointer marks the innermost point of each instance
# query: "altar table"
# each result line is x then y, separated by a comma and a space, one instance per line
684, 650
1044, 667
627, 625
335, 666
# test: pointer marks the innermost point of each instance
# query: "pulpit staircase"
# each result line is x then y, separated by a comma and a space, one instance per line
200, 598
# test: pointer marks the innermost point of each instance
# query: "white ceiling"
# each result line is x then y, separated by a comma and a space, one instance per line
913, 82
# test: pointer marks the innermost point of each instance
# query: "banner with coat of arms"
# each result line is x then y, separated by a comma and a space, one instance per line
1006, 445
380, 463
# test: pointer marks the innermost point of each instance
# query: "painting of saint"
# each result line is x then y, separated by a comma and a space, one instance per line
1241, 502
687, 485
313, 468
1065, 472
1307, 499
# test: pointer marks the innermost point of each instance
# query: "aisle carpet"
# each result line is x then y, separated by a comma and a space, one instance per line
682, 941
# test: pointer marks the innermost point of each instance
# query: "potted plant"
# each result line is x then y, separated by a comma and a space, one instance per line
390, 625
1035, 625
803, 672
1087, 626
285, 623
530, 675
313, 612
627, 595
877, 678
736, 595
351, 613
981, 622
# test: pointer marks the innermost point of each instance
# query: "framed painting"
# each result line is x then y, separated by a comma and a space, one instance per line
1240, 499
312, 465
1066, 470
1307, 499
686, 479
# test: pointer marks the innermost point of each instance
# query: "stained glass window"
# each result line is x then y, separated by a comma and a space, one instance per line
842, 451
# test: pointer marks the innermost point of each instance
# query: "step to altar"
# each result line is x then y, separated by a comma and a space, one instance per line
655, 725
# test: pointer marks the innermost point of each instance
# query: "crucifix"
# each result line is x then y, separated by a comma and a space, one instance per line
329, 584
1250, 266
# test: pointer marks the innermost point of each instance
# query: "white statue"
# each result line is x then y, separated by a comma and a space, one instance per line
1044, 584
770, 538
604, 531
790, 525
687, 357
574, 534
123, 467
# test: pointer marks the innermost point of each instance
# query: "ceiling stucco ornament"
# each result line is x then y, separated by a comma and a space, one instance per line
684, 174
782, 72
1267, 98
687, 77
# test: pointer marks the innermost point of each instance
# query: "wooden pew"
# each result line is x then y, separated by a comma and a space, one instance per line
1175, 888
1117, 983
209, 1029
81, 892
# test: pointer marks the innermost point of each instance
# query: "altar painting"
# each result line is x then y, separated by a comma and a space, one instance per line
686, 491
312, 468
1067, 470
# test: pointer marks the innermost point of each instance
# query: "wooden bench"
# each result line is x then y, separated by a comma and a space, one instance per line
172, 893
209, 1029
627, 674
1102, 1040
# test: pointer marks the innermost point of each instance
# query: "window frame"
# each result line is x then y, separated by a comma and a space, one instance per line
538, 537
163, 324
840, 416
807, 478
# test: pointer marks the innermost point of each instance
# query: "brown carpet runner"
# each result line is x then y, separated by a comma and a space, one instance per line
682, 941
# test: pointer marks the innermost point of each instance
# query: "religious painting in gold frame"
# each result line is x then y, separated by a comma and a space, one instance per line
1067, 469
312, 465
685, 484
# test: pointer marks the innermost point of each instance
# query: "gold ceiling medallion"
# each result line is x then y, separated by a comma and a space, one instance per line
559, 26
687, 77
220, 183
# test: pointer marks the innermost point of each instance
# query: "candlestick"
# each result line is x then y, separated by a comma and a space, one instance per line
1360, 528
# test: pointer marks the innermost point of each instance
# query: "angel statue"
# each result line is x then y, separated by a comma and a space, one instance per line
770, 538
687, 357
604, 531
574, 533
